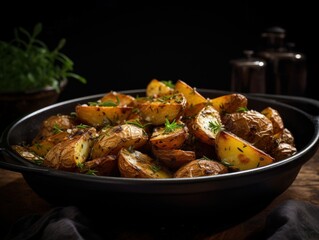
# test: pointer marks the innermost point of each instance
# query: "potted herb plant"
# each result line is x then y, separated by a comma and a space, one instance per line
31, 75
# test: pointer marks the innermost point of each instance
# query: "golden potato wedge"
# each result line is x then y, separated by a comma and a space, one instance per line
157, 110
112, 139
114, 98
274, 116
252, 126
27, 154
193, 110
229, 103
67, 155
157, 88
173, 158
171, 136
135, 164
98, 116
239, 154
53, 125
42, 147
199, 168
192, 96
205, 124
103, 166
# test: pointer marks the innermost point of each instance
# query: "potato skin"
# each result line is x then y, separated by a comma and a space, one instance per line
171, 140
199, 168
157, 110
53, 125
229, 103
103, 166
123, 100
135, 164
284, 145
251, 126
98, 116
68, 154
174, 158
200, 127
274, 116
156, 88
114, 138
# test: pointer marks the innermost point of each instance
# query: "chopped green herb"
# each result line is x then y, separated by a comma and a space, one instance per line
155, 168
81, 126
56, 129
106, 103
137, 123
169, 83
91, 172
242, 109
170, 127
215, 126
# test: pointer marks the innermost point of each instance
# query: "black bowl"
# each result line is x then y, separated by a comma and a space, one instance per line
227, 197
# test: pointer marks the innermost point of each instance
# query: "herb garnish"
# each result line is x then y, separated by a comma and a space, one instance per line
56, 129
215, 126
106, 103
169, 83
242, 109
170, 127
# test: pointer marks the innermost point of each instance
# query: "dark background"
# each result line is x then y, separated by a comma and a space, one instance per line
121, 45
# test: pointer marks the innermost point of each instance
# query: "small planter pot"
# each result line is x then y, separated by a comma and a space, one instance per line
18, 104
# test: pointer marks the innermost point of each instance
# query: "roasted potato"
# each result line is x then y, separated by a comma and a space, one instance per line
112, 139
174, 158
274, 116
199, 168
157, 88
99, 116
205, 124
103, 166
53, 125
239, 154
283, 151
285, 136
68, 154
135, 164
42, 147
192, 96
170, 136
284, 145
252, 126
229, 103
27, 154
117, 99
157, 110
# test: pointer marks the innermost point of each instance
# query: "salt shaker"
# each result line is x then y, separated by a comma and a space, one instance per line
248, 74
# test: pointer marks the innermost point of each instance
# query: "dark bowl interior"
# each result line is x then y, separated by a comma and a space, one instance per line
240, 194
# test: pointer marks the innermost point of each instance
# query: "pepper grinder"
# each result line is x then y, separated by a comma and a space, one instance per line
248, 74
286, 68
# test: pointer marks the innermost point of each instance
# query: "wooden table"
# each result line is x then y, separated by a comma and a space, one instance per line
17, 200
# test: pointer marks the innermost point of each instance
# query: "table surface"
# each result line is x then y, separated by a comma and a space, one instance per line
17, 200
